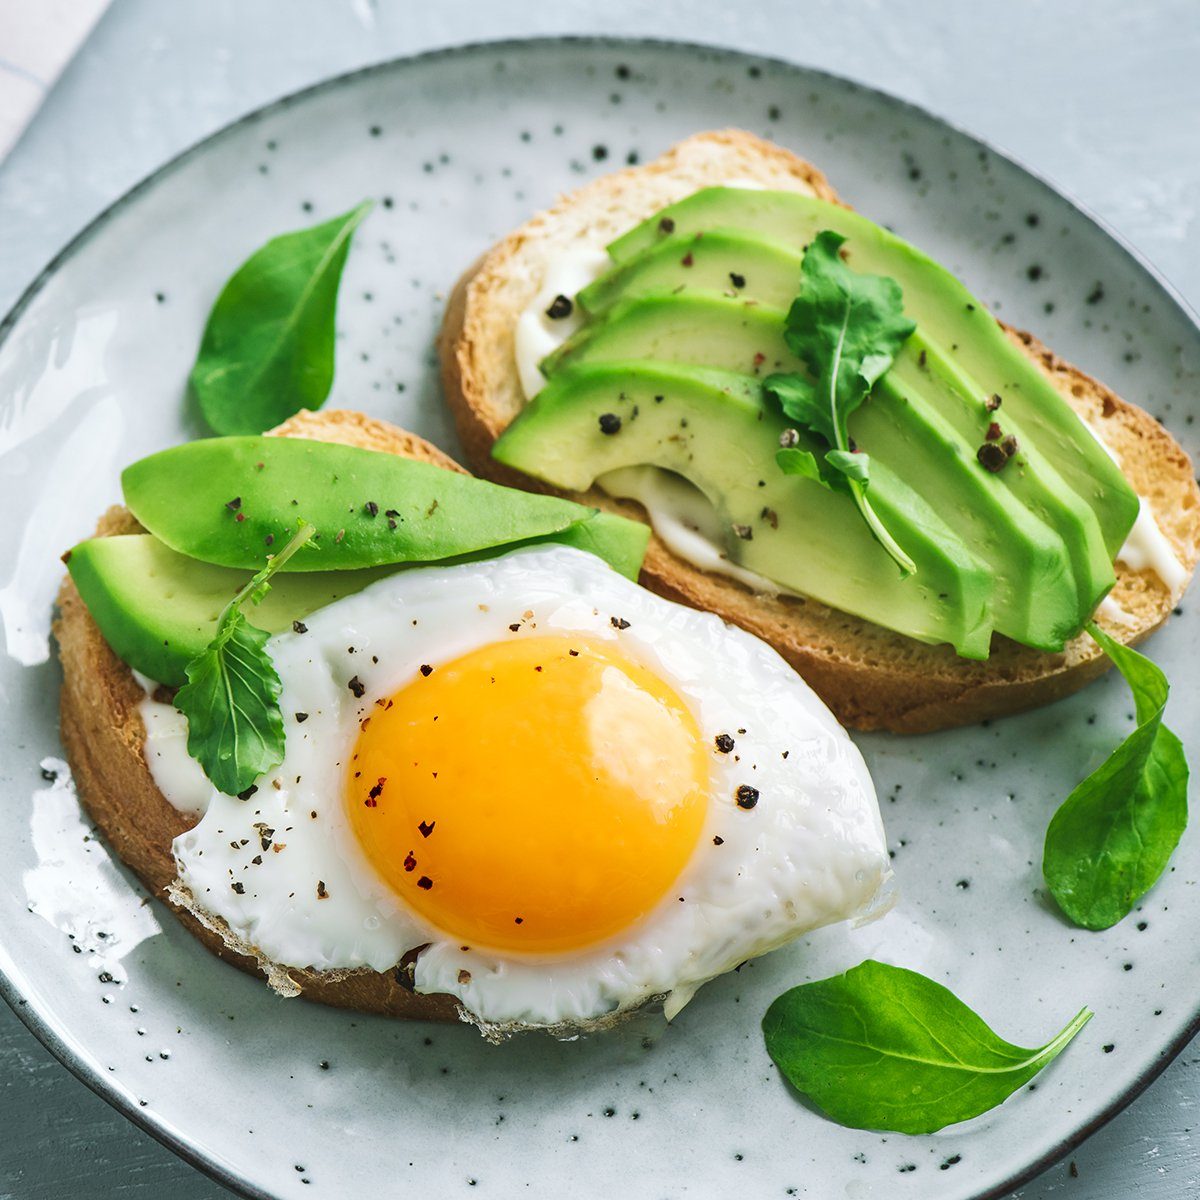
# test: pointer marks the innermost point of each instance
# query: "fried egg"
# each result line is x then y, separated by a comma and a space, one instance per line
571, 794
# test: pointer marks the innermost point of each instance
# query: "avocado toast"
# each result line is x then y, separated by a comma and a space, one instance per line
669, 337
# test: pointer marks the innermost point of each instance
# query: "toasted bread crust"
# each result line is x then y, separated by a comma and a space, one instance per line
870, 678
103, 734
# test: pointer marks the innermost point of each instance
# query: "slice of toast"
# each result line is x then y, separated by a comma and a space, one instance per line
870, 678
103, 734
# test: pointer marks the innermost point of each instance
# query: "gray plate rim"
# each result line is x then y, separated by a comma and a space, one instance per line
40, 1025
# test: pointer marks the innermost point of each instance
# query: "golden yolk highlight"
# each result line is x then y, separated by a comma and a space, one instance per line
537, 795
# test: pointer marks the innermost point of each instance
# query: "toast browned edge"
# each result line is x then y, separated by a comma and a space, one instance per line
869, 677
103, 734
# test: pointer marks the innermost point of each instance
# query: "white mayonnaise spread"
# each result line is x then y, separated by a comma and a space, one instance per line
683, 518
177, 775
1147, 547
538, 334
1110, 610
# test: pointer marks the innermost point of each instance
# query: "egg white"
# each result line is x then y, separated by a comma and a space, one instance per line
811, 852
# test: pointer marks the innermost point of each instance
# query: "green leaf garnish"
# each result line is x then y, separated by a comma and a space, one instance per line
267, 350
231, 698
881, 1047
1114, 834
847, 328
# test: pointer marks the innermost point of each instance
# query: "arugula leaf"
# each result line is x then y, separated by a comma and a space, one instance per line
881, 1047
267, 350
1113, 835
847, 328
231, 698
794, 461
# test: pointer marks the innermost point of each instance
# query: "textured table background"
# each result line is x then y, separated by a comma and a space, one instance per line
1102, 96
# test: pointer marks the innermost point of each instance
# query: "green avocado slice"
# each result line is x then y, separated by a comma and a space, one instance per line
247, 494
715, 430
727, 262
696, 330
944, 309
158, 608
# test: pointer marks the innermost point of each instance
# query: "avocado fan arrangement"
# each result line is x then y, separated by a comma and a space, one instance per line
832, 392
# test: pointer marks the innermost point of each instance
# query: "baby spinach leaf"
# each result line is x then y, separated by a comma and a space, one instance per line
267, 350
847, 328
881, 1047
231, 698
1113, 835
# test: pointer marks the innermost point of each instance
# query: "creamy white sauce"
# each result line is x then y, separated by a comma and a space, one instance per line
1110, 610
538, 334
683, 518
1147, 547
177, 775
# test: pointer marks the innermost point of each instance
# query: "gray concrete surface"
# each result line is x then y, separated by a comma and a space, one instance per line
1103, 96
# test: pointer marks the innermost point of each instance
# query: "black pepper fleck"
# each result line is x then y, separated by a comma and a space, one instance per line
992, 457
746, 796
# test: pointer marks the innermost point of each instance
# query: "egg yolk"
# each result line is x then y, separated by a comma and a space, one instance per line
537, 795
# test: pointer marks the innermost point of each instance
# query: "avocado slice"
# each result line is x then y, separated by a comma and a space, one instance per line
715, 429
246, 494
158, 608
698, 330
727, 262
946, 311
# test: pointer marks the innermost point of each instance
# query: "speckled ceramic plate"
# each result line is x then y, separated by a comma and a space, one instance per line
283, 1099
